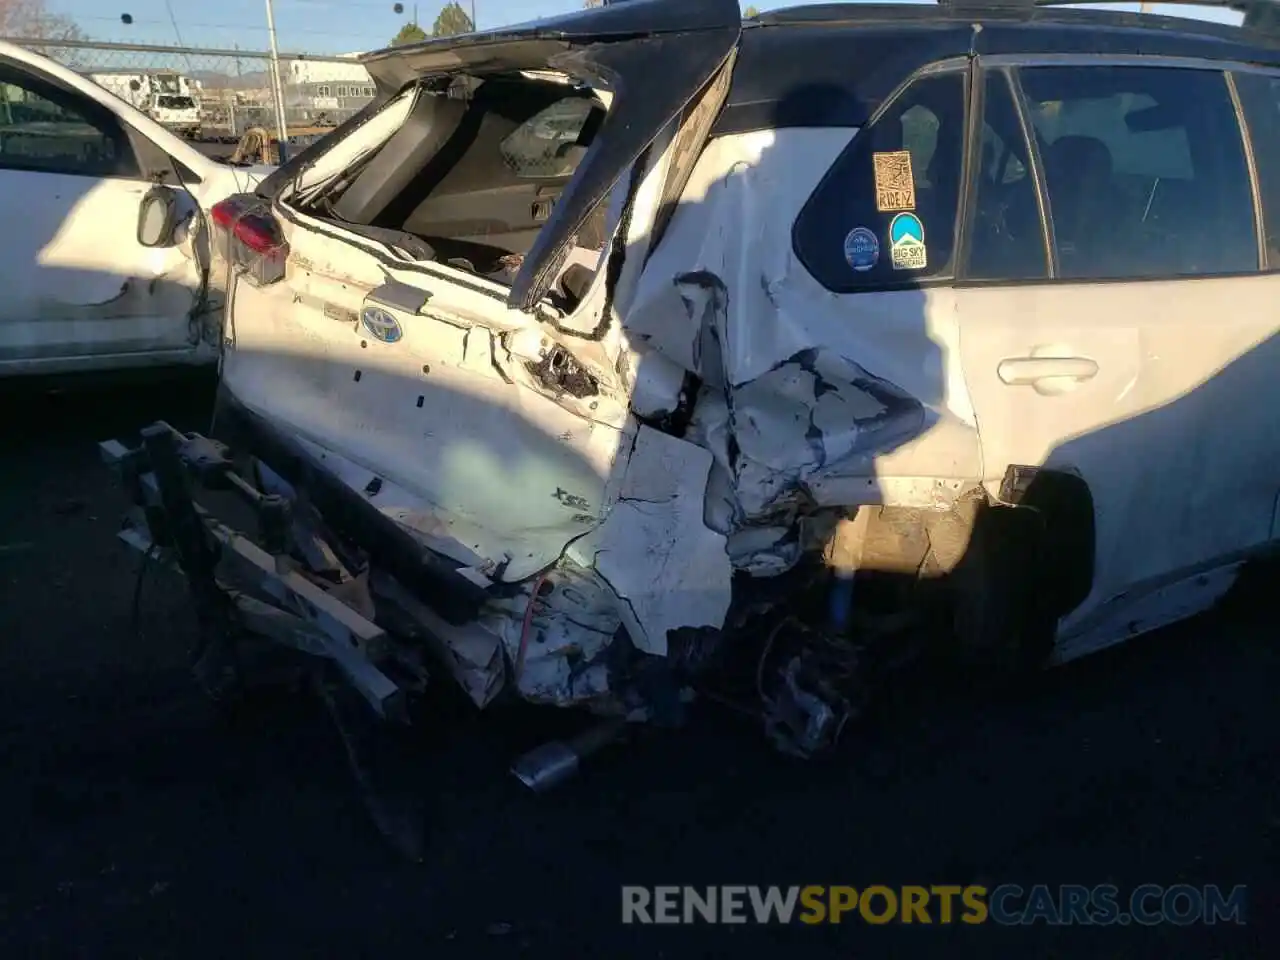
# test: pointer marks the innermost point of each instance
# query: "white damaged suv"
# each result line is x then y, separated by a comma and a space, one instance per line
645, 334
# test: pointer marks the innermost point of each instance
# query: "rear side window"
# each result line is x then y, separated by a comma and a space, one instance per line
885, 213
1260, 98
1144, 170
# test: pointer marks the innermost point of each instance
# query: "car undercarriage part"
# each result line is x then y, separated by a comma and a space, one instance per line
844, 556
297, 596
314, 586
810, 686
551, 764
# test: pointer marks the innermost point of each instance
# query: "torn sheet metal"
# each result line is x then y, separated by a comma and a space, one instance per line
802, 385
555, 635
472, 654
513, 446
666, 567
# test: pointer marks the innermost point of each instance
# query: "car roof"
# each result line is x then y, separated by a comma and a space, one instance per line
834, 64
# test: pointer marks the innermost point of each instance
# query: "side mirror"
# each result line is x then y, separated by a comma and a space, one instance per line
157, 217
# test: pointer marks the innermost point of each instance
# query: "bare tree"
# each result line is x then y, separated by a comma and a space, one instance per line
31, 19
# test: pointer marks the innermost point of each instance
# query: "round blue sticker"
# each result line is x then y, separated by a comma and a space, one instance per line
861, 249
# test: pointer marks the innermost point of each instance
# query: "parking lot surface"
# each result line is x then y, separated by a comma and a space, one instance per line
142, 824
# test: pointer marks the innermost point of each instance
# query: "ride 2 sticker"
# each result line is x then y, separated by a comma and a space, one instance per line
895, 183
861, 249
906, 243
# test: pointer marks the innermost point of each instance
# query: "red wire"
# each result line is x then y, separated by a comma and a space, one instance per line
524, 629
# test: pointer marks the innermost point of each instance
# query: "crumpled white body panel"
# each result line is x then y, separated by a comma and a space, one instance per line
804, 395
835, 395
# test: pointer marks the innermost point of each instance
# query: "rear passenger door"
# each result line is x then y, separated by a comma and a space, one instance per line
1114, 323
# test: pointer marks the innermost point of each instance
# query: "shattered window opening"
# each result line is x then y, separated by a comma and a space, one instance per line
475, 172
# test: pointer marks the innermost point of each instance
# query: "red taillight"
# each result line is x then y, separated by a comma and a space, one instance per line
224, 213
250, 237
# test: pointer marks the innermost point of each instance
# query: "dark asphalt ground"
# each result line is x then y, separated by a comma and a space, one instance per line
140, 825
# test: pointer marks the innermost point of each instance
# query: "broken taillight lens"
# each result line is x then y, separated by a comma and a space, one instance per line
250, 238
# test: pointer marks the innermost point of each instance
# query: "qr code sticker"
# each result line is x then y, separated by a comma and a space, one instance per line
895, 186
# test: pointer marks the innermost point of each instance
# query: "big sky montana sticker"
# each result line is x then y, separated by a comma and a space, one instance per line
906, 243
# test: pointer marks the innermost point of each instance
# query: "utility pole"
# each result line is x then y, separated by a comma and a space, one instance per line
474, 26
277, 88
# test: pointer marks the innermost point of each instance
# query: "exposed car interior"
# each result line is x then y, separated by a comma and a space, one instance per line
474, 172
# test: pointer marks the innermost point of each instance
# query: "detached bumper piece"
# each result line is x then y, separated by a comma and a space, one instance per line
292, 591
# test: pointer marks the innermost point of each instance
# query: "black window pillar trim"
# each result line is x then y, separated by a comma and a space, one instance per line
1038, 179
1250, 161
970, 167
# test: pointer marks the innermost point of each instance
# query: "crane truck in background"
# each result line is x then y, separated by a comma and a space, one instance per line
167, 97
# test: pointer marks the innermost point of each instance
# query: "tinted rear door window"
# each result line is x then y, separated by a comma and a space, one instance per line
1144, 169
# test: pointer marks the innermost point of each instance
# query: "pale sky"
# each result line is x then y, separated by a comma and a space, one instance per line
329, 26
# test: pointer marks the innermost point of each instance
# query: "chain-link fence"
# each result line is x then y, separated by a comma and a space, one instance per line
217, 95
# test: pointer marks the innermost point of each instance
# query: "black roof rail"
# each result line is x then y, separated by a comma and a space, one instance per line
1250, 8
1260, 16
1240, 5
846, 10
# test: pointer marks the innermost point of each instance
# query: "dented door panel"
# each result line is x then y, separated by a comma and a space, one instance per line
80, 290
503, 440
833, 397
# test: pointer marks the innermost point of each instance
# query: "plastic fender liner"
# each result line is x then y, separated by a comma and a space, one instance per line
1065, 502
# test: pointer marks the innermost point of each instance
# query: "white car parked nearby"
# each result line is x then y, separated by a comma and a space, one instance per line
104, 266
